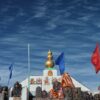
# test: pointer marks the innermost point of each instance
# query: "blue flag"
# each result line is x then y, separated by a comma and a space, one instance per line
60, 61
10, 75
10, 69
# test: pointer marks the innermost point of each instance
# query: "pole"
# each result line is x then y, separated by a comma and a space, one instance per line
28, 69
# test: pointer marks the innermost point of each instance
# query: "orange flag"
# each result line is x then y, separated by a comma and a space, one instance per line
95, 59
67, 81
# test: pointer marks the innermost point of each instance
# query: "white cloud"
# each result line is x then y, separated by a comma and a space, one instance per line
40, 12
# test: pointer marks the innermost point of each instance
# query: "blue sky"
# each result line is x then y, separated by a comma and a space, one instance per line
71, 26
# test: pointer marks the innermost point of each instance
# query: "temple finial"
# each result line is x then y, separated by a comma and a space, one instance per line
49, 63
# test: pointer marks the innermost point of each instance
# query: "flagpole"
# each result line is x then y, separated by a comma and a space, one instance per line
8, 82
28, 69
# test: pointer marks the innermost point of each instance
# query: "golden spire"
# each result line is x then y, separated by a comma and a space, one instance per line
49, 63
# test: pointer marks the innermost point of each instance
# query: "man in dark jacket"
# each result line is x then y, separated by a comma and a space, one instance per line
16, 92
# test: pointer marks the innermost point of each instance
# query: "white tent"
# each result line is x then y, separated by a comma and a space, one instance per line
78, 84
75, 82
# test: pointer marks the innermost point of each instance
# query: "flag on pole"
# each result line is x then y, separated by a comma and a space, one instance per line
10, 70
60, 61
95, 59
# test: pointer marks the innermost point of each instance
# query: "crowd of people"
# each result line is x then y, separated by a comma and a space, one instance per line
64, 90
56, 93
65, 94
16, 92
4, 93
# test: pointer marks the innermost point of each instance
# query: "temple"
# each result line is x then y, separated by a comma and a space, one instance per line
50, 74
45, 81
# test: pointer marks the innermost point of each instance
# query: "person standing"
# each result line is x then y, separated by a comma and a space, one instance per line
16, 92
5, 93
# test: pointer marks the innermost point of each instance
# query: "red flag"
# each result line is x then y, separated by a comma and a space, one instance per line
95, 59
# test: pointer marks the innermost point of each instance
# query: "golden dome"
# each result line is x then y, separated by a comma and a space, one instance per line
49, 63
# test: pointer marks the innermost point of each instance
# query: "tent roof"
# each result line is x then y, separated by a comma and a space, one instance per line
75, 82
